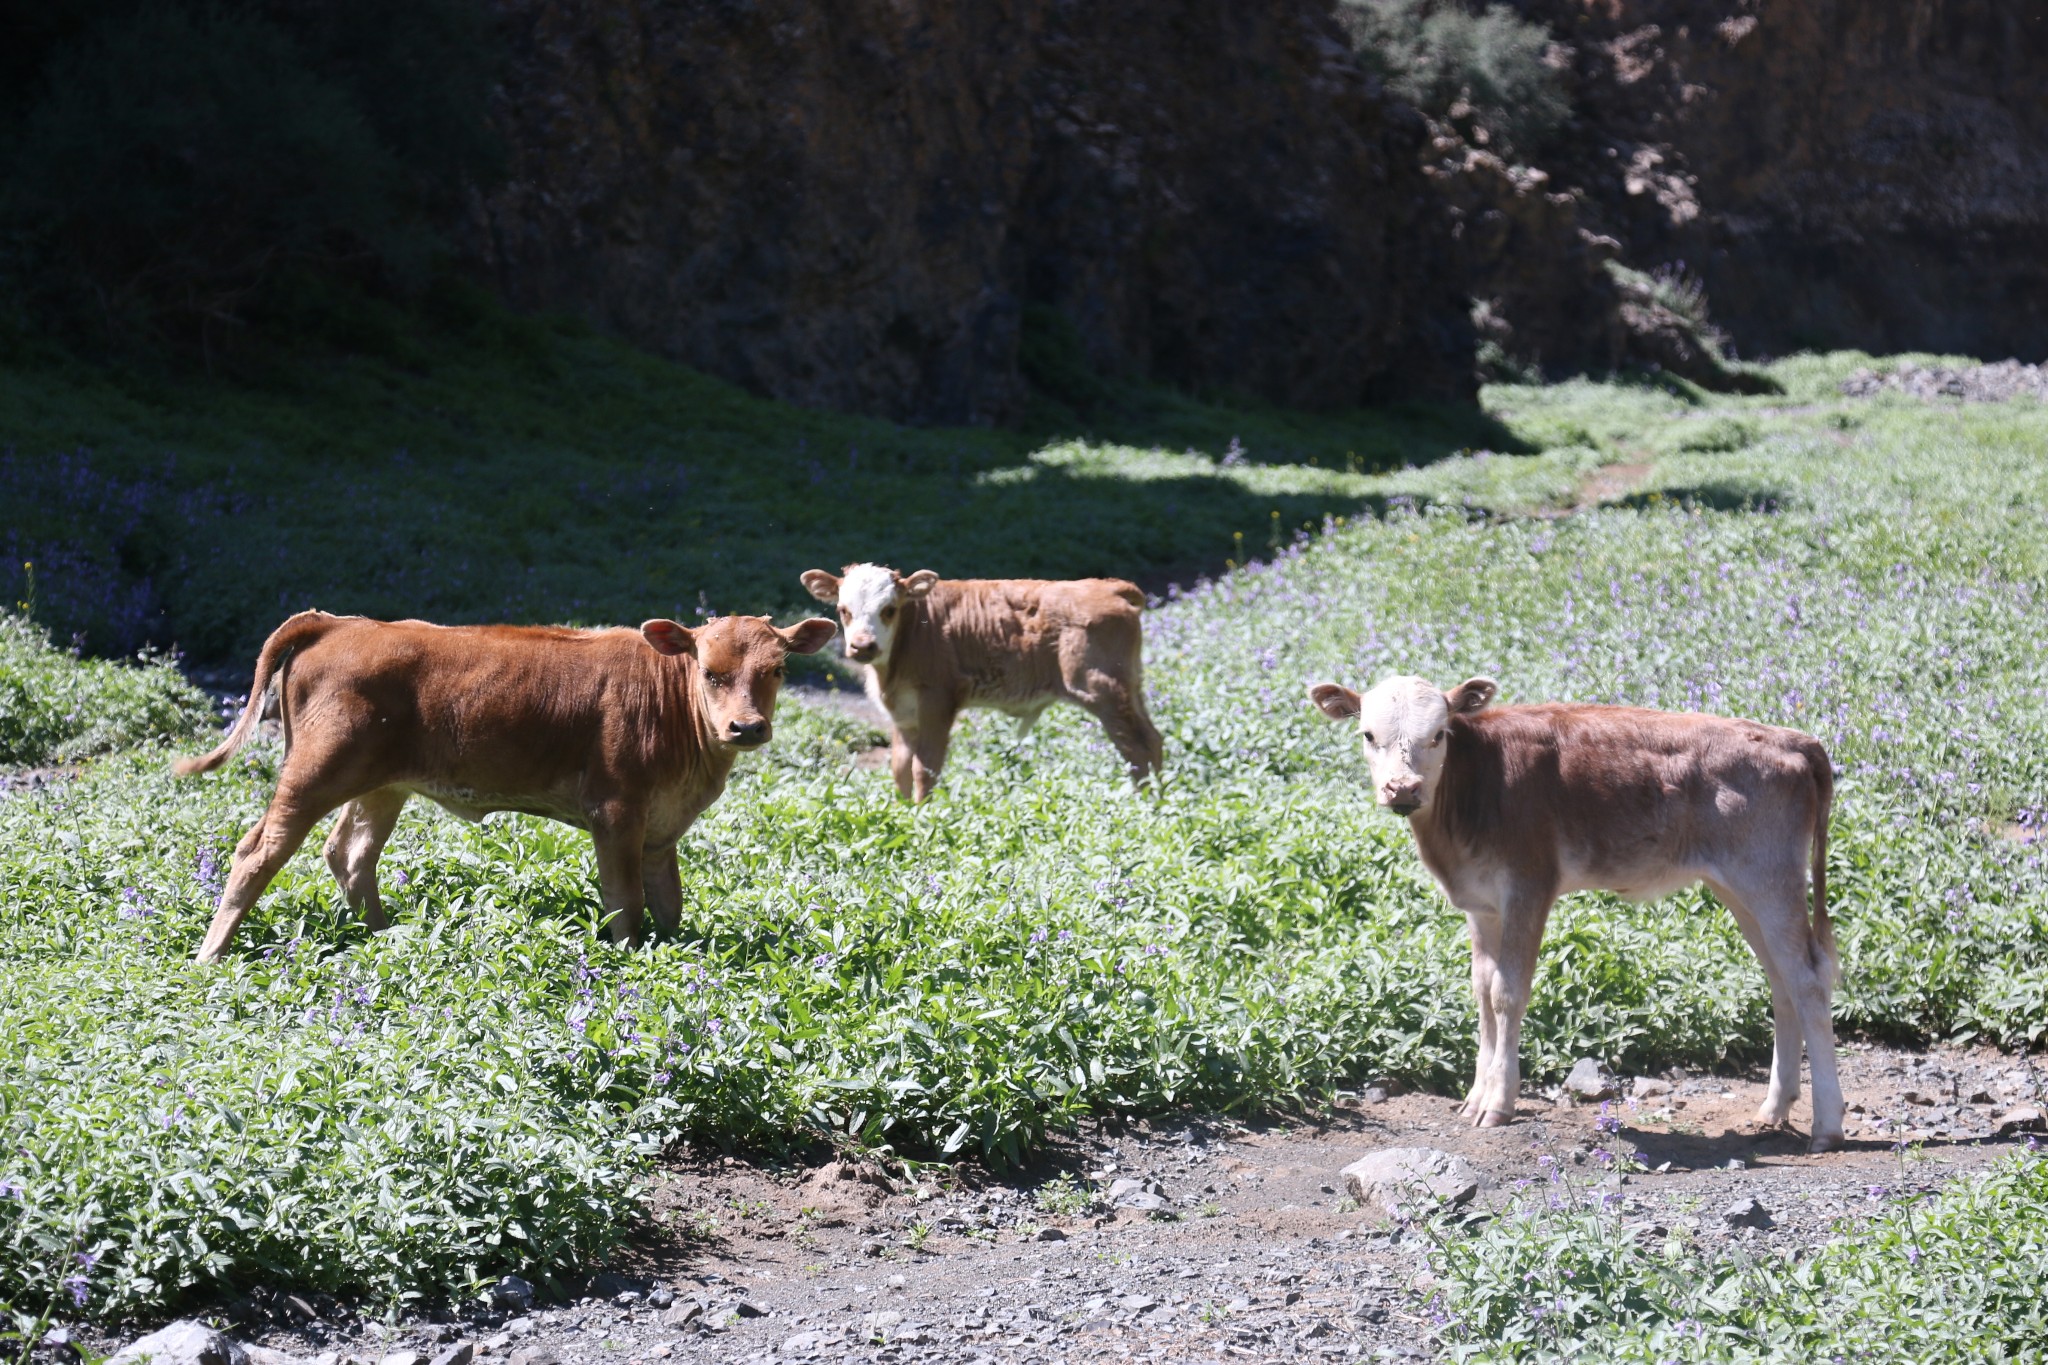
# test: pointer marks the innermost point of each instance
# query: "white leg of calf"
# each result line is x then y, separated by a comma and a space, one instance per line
1484, 933
1814, 998
1502, 1084
1787, 1030
1788, 1034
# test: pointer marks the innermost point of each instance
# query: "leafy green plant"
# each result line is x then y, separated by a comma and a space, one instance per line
1957, 1277
57, 707
1063, 1195
1486, 68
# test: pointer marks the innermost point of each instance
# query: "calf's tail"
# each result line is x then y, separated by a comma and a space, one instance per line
286, 640
1823, 770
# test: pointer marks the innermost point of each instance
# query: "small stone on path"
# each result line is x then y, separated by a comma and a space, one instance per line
1747, 1213
1590, 1081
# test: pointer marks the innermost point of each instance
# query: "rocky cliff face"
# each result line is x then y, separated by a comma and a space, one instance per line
1868, 173
851, 204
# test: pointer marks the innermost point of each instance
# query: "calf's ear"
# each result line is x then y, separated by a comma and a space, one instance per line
1334, 701
1471, 695
821, 585
808, 637
668, 637
919, 583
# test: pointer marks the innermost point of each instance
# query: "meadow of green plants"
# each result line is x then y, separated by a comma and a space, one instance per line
487, 1085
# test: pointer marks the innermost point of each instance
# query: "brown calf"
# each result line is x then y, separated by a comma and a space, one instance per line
1514, 806
629, 734
933, 646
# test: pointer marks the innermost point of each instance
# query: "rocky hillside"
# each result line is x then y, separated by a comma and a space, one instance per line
1869, 173
857, 205
870, 206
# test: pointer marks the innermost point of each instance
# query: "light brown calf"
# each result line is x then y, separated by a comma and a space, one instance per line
629, 734
1514, 806
933, 646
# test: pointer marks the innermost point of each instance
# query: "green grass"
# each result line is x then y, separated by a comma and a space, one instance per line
1956, 1277
483, 1087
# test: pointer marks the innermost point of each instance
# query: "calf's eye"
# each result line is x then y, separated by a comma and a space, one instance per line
1436, 739
888, 613
1369, 739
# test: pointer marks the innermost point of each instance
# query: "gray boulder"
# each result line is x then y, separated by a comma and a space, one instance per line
1590, 1081
1405, 1181
184, 1342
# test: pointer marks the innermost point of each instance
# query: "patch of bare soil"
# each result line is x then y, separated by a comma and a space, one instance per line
1199, 1237
1610, 481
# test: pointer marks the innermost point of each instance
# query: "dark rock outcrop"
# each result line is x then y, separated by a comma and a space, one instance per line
851, 205
1869, 173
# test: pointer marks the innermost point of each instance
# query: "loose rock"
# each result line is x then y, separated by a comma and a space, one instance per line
1401, 1180
461, 1353
512, 1294
1747, 1213
1590, 1081
2023, 1118
184, 1342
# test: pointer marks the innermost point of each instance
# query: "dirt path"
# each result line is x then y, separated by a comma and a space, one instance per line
1251, 1248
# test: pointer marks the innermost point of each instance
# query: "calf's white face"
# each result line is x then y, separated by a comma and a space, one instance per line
1404, 724
870, 599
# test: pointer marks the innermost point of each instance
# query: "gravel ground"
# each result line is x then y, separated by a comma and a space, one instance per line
1995, 383
1224, 1241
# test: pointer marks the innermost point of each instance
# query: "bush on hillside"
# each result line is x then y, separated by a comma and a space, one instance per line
55, 706
1485, 69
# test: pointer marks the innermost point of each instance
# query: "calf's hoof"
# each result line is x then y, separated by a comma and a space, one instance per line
1494, 1118
1824, 1142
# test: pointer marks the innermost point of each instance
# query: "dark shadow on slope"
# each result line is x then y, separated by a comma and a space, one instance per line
1707, 497
560, 477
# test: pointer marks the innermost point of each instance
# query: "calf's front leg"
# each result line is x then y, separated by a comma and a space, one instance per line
1485, 933
619, 860
1517, 937
661, 882
918, 750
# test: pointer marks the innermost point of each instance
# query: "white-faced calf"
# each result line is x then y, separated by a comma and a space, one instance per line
629, 734
1514, 806
932, 646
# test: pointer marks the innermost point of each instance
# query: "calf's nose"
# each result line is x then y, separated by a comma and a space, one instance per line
747, 731
861, 649
1401, 794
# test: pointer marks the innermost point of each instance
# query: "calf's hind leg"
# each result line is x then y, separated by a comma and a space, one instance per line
1122, 712
1787, 1033
355, 844
260, 855
1778, 906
